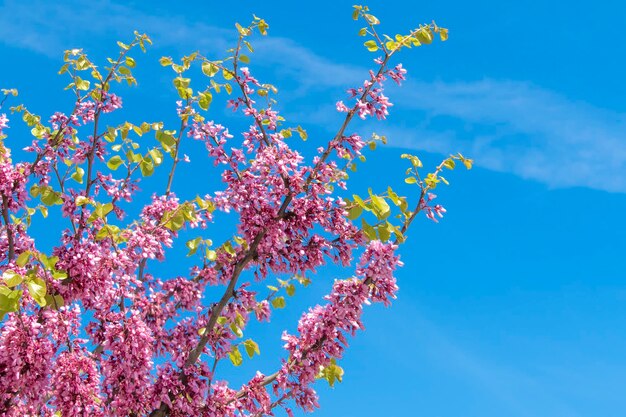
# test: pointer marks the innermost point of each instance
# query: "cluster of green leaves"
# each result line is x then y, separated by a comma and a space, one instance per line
432, 178
13, 283
126, 147
331, 372
380, 205
120, 69
251, 348
422, 35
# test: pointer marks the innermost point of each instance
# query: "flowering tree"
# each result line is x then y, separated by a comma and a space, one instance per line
90, 329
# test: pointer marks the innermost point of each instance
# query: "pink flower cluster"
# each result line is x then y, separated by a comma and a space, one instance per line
432, 210
26, 356
4, 122
132, 341
323, 330
127, 363
76, 384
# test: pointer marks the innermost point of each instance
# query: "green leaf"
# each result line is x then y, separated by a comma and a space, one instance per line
81, 84
360, 202
431, 180
302, 133
398, 234
209, 69
147, 167
355, 212
49, 262
424, 35
371, 19
291, 290
9, 299
108, 231
235, 356
393, 196
263, 26
449, 163
371, 45
81, 200
50, 197
381, 207
38, 131
251, 347
227, 76
332, 372
54, 301
37, 290
23, 258
35, 190
410, 180
59, 275
383, 232
156, 156
391, 45
78, 175
466, 161
236, 330
204, 100
368, 230
443, 34
211, 255
193, 245
165, 61
415, 161
12, 279
102, 210
228, 248
181, 82
279, 302
130, 62
115, 162
165, 139
176, 222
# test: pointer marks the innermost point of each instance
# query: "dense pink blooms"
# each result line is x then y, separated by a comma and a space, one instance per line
26, 356
127, 362
323, 330
76, 385
94, 325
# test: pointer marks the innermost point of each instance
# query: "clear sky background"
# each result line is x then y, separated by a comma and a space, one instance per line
515, 304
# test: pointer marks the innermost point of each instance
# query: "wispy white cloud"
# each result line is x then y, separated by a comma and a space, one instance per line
520, 128
507, 126
51, 27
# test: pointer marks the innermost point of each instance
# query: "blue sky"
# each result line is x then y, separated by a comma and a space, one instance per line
515, 303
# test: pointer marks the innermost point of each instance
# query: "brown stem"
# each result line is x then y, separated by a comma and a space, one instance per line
272, 377
250, 253
170, 179
10, 238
